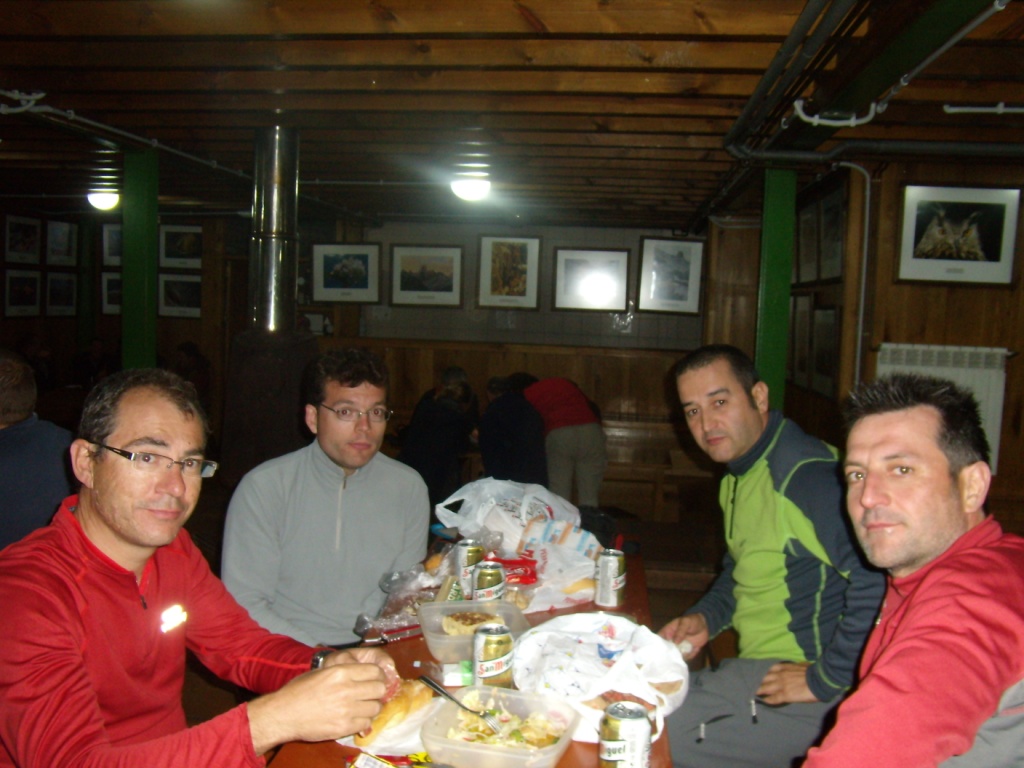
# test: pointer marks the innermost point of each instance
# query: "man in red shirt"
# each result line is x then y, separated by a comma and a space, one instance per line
100, 606
942, 675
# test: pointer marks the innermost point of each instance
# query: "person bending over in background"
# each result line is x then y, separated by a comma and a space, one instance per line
35, 469
793, 584
101, 605
573, 439
309, 534
942, 676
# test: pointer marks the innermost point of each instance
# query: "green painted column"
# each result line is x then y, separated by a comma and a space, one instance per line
140, 240
777, 238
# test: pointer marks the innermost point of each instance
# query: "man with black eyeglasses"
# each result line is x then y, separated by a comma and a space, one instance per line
309, 534
100, 606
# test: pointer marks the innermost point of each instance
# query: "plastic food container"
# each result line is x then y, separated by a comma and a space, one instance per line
463, 754
451, 648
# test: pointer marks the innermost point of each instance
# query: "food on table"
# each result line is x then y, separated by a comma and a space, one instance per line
466, 622
411, 696
535, 731
579, 586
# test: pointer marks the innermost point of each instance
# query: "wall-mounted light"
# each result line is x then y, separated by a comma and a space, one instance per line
103, 201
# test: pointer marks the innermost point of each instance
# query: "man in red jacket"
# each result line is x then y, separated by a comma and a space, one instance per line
100, 606
942, 675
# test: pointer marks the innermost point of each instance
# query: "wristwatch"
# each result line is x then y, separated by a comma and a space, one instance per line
318, 658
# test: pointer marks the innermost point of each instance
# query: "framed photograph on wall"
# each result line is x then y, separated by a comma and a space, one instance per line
508, 272
670, 275
825, 351
181, 247
61, 243
61, 294
111, 245
110, 288
591, 279
179, 295
21, 293
833, 234
802, 340
346, 272
24, 240
426, 275
958, 235
807, 243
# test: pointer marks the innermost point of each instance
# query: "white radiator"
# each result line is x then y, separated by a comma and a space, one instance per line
981, 369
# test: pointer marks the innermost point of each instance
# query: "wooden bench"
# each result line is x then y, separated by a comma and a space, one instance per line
647, 466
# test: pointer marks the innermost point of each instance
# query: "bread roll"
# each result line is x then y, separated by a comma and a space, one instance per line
412, 696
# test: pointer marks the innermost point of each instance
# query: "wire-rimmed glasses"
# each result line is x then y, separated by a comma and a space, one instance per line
155, 462
377, 415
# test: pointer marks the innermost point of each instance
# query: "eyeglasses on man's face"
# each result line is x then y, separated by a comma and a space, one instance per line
154, 462
377, 415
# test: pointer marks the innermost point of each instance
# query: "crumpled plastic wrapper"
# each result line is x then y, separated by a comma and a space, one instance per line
580, 656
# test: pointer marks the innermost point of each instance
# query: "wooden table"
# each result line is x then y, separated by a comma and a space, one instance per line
330, 754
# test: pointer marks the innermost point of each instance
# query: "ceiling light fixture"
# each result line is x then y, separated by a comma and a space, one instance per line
103, 201
471, 188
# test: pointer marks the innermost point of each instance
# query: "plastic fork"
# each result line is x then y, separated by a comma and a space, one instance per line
491, 720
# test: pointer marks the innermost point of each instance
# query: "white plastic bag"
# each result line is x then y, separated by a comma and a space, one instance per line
502, 506
581, 656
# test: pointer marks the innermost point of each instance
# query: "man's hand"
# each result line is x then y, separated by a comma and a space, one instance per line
693, 628
329, 703
360, 656
786, 683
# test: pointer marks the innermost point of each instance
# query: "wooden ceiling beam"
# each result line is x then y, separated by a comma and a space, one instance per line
538, 104
218, 55
343, 84
132, 18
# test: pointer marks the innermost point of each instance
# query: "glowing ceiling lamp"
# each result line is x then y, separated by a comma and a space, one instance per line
103, 201
471, 189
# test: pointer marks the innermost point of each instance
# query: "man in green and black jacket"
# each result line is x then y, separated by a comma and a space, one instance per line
794, 585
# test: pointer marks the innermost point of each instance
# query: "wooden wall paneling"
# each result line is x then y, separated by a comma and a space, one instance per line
853, 249
936, 313
730, 293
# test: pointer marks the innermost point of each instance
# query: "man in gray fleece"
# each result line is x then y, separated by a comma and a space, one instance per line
309, 534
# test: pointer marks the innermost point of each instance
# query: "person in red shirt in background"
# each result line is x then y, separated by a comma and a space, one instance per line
573, 439
100, 606
942, 675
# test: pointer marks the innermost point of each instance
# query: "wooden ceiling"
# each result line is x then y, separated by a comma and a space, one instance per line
646, 113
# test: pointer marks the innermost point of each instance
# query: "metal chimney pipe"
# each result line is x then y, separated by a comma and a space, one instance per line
273, 251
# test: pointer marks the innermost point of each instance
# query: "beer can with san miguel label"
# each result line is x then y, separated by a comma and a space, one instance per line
488, 581
492, 655
611, 579
469, 552
624, 736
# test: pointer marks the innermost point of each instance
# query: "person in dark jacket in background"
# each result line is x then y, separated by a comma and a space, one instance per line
439, 433
512, 435
35, 466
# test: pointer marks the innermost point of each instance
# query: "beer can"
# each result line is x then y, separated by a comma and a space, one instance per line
624, 736
488, 581
468, 552
492, 655
611, 579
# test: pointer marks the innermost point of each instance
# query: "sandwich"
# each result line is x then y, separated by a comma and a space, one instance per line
411, 696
